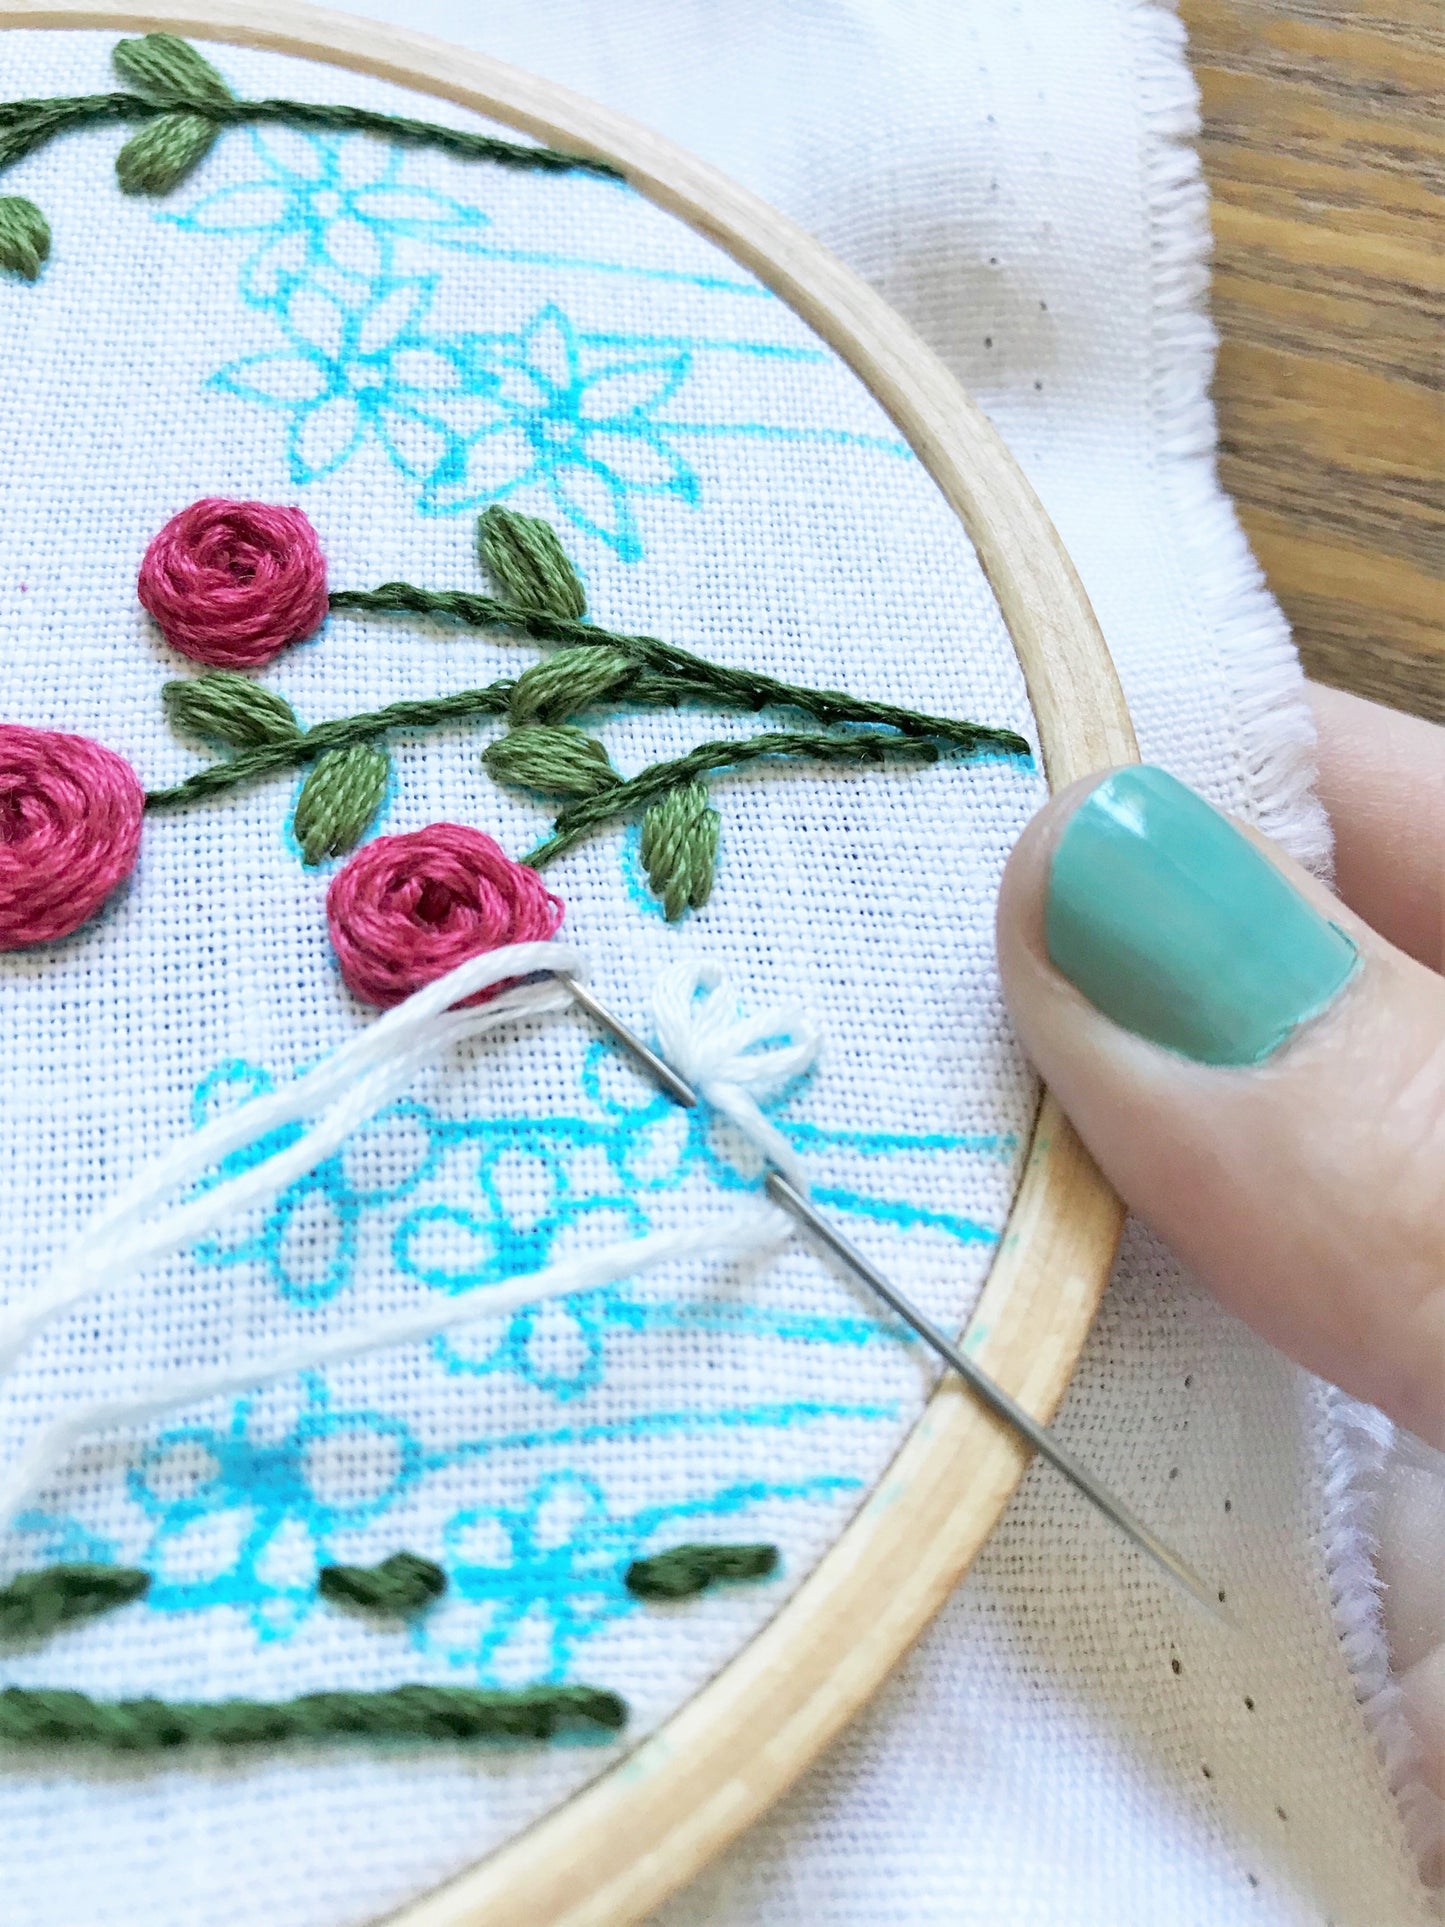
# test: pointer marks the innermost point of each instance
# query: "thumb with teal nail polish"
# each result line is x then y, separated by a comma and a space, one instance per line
1257, 1065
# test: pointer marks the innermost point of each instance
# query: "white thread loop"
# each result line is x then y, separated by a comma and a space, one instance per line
735, 1061
361, 1076
742, 1233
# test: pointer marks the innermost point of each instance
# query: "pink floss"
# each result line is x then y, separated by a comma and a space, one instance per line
407, 909
232, 583
70, 823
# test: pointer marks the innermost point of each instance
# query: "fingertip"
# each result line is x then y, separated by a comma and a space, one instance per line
1260, 1075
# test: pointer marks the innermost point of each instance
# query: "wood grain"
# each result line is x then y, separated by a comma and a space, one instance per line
612, 1854
1324, 143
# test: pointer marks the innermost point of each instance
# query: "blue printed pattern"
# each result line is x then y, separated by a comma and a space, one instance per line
257, 1516
586, 424
240, 1515
560, 1557
529, 1206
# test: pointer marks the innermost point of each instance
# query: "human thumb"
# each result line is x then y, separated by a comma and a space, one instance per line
1258, 1073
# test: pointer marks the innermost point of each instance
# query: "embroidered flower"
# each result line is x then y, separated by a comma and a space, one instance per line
232, 583
70, 822
407, 909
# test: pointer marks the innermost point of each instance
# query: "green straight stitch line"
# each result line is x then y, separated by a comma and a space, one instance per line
52, 1716
684, 1571
679, 669
26, 125
36, 1604
623, 798
397, 1588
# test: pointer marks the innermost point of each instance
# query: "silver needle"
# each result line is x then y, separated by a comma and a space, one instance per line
983, 1387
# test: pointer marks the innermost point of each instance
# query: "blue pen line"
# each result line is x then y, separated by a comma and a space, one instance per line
774, 350
652, 1424
804, 1134
775, 432
530, 257
884, 1211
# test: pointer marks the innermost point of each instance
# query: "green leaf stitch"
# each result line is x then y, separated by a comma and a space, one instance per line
226, 708
569, 681
24, 236
338, 800
164, 152
524, 558
555, 759
679, 848
166, 68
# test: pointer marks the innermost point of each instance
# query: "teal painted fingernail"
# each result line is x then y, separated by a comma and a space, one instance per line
1172, 924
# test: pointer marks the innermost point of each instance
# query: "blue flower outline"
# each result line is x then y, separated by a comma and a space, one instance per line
570, 416
339, 211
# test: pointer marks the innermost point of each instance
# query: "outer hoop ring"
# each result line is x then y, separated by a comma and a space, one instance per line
617, 1849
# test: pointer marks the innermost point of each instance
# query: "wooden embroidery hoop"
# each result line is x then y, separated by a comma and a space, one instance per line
617, 1849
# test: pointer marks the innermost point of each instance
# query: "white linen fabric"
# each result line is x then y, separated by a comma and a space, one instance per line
311, 321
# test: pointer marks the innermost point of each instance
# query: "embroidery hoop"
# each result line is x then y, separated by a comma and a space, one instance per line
616, 1850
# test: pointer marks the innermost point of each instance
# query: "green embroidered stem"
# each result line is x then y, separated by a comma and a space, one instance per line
622, 799
338, 734
683, 1571
49, 1716
676, 674
26, 125
399, 1587
35, 1604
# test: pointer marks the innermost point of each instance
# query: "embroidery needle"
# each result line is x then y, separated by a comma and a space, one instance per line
978, 1381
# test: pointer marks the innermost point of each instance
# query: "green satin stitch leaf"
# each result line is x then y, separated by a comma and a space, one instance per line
683, 1571
525, 559
36, 1604
24, 236
226, 708
164, 152
557, 759
397, 1588
679, 849
164, 67
339, 799
568, 681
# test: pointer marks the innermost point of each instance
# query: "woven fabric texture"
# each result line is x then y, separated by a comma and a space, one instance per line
377, 337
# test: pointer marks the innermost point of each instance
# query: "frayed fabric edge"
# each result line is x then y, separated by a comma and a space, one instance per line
1277, 768
1273, 723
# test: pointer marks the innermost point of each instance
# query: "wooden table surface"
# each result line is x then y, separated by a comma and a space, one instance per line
1324, 142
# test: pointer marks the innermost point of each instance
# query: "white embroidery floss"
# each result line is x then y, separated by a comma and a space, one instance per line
341, 1092
726, 1054
740, 1234
735, 1059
